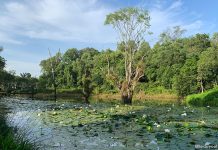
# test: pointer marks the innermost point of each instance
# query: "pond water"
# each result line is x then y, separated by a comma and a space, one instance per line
101, 126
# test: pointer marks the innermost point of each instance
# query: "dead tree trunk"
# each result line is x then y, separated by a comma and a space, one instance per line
126, 93
202, 86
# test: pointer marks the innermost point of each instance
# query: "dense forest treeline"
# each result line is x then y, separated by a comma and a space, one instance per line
179, 65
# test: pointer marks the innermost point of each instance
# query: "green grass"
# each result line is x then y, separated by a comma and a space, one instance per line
8, 140
208, 98
158, 90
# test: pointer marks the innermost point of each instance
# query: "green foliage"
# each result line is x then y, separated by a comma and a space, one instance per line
8, 140
131, 24
2, 61
186, 81
208, 67
126, 15
214, 39
157, 90
171, 34
208, 98
171, 66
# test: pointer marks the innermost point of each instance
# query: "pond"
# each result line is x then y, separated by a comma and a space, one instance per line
101, 126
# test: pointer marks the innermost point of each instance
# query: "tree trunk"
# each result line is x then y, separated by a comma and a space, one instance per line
126, 93
86, 99
86, 95
87, 89
55, 93
202, 86
127, 99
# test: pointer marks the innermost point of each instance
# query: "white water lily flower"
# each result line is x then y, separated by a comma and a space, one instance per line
167, 130
202, 122
138, 145
157, 125
207, 143
144, 116
208, 106
38, 114
117, 106
184, 114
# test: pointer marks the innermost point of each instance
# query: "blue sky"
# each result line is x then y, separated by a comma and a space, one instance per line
29, 27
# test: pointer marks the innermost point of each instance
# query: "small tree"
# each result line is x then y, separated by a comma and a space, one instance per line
49, 68
84, 67
131, 25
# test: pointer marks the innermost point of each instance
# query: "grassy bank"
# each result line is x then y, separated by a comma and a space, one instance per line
10, 139
137, 96
208, 98
77, 95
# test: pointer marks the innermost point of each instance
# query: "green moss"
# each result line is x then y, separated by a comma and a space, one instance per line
208, 98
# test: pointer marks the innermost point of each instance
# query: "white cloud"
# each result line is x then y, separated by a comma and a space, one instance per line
80, 20
166, 17
23, 66
22, 61
194, 26
177, 4
77, 20
4, 38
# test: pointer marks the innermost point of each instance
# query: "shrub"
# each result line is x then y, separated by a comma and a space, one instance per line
158, 90
8, 140
208, 98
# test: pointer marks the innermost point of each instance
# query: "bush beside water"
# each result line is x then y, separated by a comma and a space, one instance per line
208, 98
11, 141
